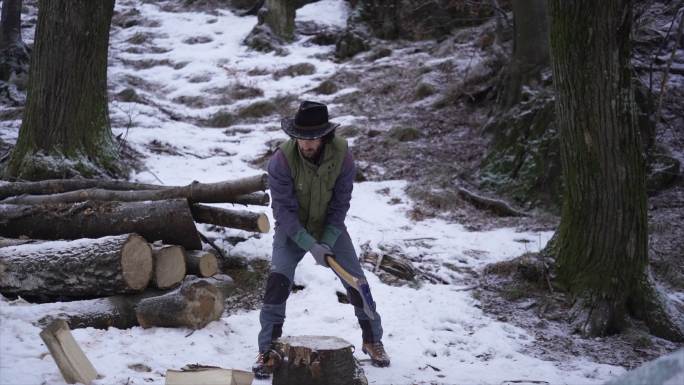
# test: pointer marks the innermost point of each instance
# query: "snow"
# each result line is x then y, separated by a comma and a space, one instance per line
434, 334
325, 12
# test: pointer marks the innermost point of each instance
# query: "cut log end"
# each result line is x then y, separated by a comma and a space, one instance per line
169, 266
208, 265
202, 263
263, 224
136, 262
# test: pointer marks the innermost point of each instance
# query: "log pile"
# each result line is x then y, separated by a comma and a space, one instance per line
120, 251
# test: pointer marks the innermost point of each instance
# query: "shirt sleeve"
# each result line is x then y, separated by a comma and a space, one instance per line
340, 202
284, 201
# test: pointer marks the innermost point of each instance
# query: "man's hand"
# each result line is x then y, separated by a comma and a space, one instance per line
319, 251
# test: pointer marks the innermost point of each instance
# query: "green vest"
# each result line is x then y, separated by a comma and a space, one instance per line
314, 184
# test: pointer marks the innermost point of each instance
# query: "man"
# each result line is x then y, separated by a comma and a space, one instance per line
311, 177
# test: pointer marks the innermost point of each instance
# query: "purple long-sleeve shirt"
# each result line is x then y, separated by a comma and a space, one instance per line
284, 201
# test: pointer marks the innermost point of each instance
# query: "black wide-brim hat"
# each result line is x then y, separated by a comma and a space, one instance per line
310, 122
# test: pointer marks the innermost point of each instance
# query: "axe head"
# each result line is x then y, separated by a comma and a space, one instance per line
368, 303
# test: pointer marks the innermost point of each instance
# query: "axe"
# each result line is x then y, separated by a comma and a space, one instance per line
360, 284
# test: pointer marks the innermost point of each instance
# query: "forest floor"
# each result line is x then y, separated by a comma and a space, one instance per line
195, 104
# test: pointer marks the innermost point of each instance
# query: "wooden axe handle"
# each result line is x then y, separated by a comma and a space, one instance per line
350, 279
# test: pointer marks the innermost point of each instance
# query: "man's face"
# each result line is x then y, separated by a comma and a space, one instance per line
310, 147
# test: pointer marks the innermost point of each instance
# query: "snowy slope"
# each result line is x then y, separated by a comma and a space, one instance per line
435, 334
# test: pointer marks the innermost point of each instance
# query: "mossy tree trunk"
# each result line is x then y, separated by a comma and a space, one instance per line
530, 48
280, 17
66, 129
603, 239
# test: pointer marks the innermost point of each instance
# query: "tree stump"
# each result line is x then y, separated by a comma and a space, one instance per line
317, 360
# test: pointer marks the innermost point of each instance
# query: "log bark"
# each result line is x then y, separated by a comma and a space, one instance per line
169, 221
256, 198
169, 266
72, 362
81, 268
120, 311
219, 192
237, 219
193, 305
202, 263
57, 186
317, 360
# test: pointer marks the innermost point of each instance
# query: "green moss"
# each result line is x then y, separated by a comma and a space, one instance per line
257, 110
221, 119
523, 161
295, 70
327, 87
424, 90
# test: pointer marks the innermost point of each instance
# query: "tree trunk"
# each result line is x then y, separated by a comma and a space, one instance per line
81, 268
66, 129
220, 192
602, 238
317, 360
202, 263
169, 266
280, 17
119, 311
169, 221
10, 23
237, 219
530, 48
193, 305
13, 52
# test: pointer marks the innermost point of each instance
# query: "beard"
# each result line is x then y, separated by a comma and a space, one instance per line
311, 154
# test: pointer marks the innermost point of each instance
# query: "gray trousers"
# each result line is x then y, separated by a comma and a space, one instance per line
286, 255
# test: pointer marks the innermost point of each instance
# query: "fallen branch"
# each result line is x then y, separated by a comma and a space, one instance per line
499, 207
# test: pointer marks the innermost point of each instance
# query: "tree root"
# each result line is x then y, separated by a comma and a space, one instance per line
651, 306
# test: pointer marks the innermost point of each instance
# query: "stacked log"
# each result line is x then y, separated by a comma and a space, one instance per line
72, 209
122, 249
80, 268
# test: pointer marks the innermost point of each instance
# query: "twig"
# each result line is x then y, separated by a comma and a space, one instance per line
211, 243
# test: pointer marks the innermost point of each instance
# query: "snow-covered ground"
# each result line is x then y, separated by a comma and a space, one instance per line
435, 334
